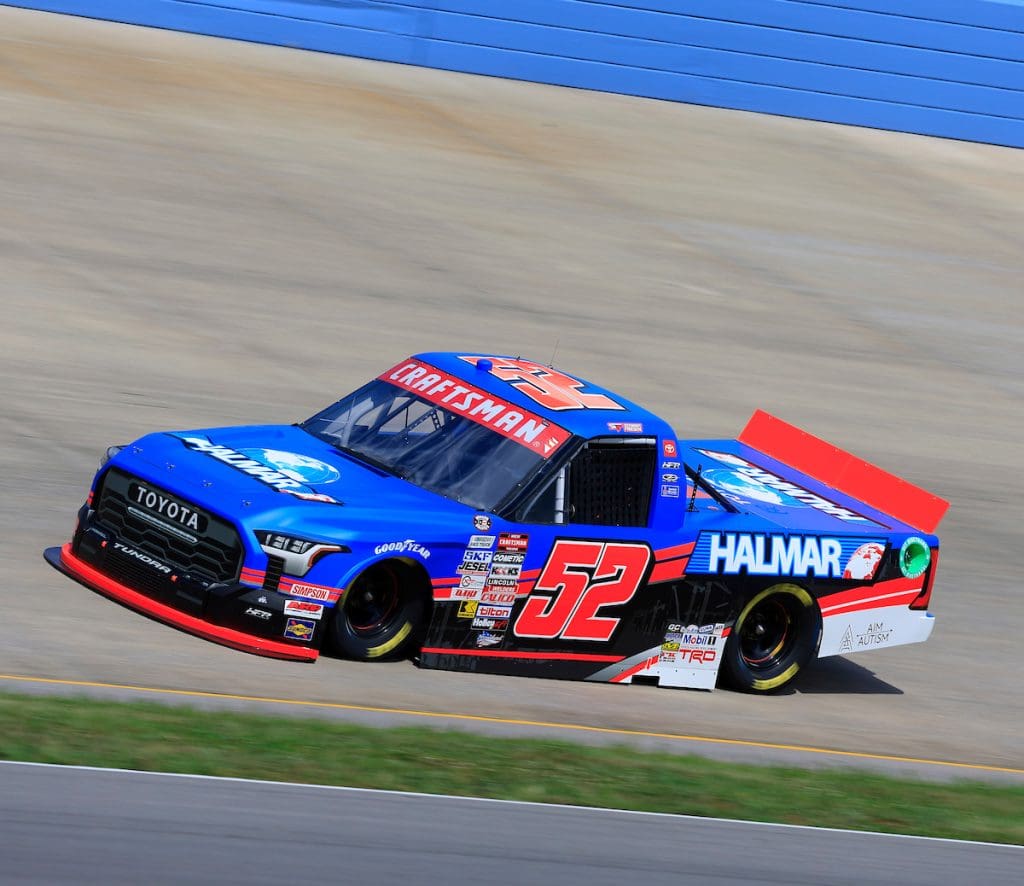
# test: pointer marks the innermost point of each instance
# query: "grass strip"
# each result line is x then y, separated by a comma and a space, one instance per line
180, 739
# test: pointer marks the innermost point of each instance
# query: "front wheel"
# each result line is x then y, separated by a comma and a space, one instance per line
381, 613
776, 634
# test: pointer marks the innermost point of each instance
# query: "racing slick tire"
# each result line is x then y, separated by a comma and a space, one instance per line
382, 615
778, 631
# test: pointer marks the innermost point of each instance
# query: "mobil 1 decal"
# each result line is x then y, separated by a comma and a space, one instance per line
757, 553
579, 580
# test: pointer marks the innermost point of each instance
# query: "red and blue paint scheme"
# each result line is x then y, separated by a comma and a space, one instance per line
491, 514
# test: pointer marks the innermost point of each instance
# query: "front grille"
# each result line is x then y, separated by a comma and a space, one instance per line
129, 571
216, 553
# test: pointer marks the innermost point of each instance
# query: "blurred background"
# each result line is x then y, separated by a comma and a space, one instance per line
198, 232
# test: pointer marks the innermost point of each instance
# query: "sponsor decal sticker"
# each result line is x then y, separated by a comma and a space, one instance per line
299, 629
500, 582
626, 427
403, 547
876, 634
171, 509
481, 542
502, 598
306, 470
545, 385
512, 541
481, 522
259, 613
670, 492
462, 398
477, 557
314, 592
864, 562
467, 609
509, 558
501, 570
691, 644
744, 481
671, 465
486, 638
472, 581
669, 478
733, 553
669, 448
492, 624
490, 611
290, 479
314, 611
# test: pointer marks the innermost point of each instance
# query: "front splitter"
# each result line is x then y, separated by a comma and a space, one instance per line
64, 560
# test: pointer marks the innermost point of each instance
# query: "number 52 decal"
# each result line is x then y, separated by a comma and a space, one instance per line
579, 579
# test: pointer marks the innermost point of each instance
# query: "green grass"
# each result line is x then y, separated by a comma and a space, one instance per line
179, 739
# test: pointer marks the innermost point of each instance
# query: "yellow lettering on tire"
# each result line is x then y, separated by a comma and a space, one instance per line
392, 644
787, 674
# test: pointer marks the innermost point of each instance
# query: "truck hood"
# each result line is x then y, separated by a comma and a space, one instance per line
281, 477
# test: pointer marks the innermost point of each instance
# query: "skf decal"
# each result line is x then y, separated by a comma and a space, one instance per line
798, 555
460, 397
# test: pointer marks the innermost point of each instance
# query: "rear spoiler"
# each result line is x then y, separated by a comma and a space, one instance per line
844, 472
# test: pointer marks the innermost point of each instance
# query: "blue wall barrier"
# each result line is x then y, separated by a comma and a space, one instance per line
952, 68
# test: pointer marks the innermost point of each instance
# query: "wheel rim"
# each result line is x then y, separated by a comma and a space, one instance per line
374, 602
768, 634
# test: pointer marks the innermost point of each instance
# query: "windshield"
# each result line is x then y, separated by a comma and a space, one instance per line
426, 444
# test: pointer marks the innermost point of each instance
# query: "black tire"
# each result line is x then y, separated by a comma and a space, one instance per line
382, 613
776, 634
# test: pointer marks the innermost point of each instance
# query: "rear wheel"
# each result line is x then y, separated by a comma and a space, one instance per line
381, 614
776, 634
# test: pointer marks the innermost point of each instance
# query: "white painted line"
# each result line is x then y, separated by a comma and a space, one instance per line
527, 803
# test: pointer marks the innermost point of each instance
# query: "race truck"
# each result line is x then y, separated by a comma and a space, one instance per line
492, 514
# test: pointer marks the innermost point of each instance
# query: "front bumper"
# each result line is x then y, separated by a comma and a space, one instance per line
215, 612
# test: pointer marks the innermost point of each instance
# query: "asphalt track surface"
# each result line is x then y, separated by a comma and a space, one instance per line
81, 826
196, 233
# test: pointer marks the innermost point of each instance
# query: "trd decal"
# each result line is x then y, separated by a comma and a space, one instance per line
546, 386
578, 580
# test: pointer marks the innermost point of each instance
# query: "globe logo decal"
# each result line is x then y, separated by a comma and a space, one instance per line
738, 486
300, 468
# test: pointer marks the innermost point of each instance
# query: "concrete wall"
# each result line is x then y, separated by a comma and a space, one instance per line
951, 68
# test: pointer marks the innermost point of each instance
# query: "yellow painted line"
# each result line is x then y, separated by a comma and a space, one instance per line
604, 730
